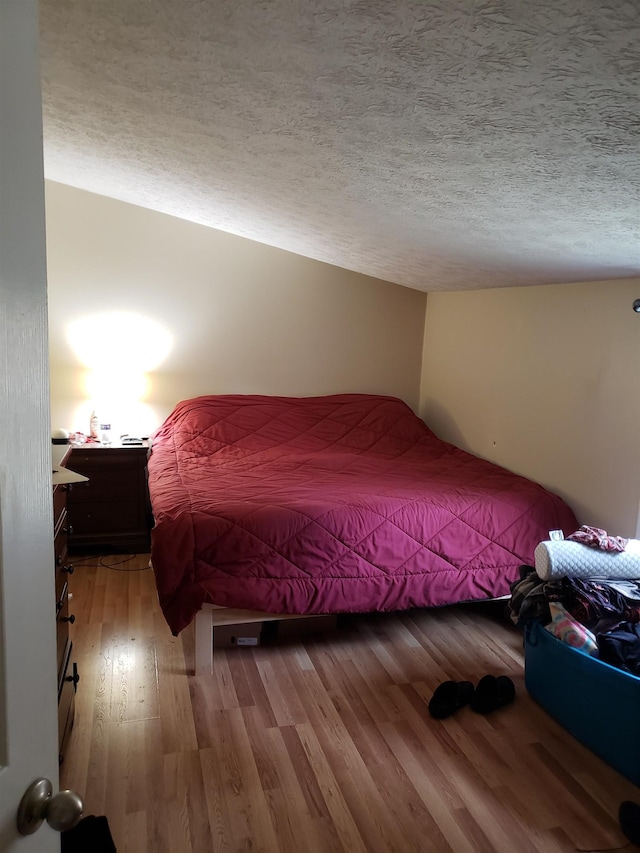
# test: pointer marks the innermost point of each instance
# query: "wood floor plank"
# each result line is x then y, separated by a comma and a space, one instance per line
485, 804
288, 805
224, 689
306, 778
285, 704
439, 798
362, 699
378, 825
332, 793
220, 823
245, 799
320, 743
394, 785
134, 833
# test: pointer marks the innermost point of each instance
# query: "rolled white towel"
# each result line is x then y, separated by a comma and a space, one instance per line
563, 558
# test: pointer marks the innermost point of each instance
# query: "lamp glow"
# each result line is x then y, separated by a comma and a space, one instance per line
118, 349
119, 340
111, 386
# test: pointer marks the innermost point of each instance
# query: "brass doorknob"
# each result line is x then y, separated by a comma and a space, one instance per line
61, 811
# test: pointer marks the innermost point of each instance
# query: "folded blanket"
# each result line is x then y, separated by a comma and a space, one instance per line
564, 558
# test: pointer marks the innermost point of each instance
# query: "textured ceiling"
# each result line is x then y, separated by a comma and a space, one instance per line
440, 145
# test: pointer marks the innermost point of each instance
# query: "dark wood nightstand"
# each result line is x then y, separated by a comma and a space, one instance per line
112, 510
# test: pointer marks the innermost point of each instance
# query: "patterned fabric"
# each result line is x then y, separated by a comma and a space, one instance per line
570, 631
598, 605
596, 537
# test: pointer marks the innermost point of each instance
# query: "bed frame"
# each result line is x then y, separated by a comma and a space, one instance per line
214, 616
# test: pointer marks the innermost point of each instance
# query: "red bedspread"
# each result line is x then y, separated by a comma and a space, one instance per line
346, 503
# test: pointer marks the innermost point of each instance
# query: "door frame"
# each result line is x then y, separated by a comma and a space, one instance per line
28, 670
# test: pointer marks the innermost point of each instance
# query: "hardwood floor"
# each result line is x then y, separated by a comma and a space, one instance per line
322, 743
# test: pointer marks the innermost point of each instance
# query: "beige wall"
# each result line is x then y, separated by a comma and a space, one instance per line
544, 381
244, 317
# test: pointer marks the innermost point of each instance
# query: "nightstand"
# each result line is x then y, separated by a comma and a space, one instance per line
112, 510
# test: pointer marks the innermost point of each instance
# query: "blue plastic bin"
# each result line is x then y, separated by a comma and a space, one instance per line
597, 703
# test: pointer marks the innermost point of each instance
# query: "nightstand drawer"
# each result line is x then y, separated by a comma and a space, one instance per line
94, 518
106, 483
109, 470
100, 457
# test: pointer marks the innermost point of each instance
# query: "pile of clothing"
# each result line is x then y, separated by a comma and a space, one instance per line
598, 616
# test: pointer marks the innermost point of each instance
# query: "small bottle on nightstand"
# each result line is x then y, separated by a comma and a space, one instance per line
93, 426
105, 434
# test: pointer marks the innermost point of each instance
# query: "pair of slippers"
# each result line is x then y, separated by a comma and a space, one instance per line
629, 820
492, 692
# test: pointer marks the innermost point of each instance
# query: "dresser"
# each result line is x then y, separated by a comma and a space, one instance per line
112, 510
63, 482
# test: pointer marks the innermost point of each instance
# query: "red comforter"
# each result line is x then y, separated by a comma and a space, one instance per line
331, 504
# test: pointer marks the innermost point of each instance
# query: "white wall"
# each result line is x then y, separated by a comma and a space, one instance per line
244, 317
544, 381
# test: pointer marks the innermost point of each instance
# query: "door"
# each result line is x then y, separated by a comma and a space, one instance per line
28, 689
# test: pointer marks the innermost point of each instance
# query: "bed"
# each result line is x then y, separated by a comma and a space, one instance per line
325, 505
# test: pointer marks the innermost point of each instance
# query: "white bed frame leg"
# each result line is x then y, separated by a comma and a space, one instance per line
213, 616
204, 641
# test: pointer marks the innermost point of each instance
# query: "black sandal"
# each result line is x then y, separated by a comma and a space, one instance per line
629, 820
492, 692
448, 697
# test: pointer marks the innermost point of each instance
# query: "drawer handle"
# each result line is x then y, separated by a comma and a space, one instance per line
71, 619
69, 569
75, 678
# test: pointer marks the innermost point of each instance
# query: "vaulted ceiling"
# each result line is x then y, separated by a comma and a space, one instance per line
452, 144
